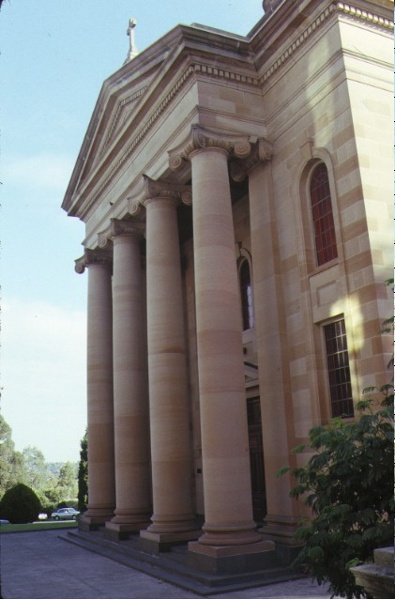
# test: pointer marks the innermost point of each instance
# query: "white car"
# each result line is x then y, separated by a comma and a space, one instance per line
65, 514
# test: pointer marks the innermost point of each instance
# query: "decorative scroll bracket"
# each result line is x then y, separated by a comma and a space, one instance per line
162, 189
118, 227
262, 151
92, 257
235, 145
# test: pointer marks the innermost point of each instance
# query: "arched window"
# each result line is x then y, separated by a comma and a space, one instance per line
247, 307
321, 206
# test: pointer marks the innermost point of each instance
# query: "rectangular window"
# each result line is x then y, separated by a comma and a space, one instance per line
338, 369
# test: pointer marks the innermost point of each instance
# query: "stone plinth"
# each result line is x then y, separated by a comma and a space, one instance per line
121, 531
87, 523
221, 560
153, 543
377, 578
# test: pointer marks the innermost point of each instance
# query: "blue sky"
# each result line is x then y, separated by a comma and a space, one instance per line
55, 55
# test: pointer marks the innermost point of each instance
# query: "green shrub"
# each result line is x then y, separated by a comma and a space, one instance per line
20, 504
348, 483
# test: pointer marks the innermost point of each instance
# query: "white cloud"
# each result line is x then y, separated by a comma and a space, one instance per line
44, 377
43, 171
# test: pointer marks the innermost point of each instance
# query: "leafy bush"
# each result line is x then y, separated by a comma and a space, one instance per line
348, 483
20, 504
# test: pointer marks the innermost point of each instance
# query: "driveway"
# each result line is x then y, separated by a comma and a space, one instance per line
41, 565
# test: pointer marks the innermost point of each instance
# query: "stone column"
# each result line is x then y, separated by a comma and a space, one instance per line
131, 428
101, 495
229, 528
171, 452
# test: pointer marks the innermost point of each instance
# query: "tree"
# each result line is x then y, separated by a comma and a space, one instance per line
20, 504
67, 481
83, 475
50, 499
36, 473
11, 462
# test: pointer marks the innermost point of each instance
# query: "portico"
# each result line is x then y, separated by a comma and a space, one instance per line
205, 300
152, 419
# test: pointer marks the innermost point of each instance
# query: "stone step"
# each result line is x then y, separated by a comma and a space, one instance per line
172, 566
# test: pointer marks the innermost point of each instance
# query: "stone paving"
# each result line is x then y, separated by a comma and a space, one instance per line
41, 565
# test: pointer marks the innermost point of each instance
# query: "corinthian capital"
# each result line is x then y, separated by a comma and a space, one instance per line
91, 257
200, 137
162, 189
119, 227
261, 151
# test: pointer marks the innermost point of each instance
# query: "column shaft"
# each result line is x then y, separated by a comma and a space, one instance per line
132, 461
169, 414
101, 493
225, 445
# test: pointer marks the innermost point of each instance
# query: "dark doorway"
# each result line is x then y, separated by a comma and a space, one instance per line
256, 459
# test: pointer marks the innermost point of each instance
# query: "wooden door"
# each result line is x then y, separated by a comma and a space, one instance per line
256, 459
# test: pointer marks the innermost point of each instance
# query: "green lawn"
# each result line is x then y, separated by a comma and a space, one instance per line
37, 526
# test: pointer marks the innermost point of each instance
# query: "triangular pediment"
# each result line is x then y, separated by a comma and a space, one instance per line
134, 97
119, 98
116, 105
121, 112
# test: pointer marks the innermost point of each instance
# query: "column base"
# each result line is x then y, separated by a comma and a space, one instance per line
153, 543
122, 531
225, 560
92, 523
280, 529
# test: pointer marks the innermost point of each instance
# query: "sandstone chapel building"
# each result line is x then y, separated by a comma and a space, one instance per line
237, 198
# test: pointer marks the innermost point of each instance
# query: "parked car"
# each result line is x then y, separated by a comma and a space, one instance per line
65, 514
4, 521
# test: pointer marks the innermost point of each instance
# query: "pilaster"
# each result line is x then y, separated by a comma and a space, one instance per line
281, 520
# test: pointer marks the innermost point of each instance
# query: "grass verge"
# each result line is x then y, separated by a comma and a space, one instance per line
37, 526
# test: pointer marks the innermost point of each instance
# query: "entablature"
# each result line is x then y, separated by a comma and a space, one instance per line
288, 26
